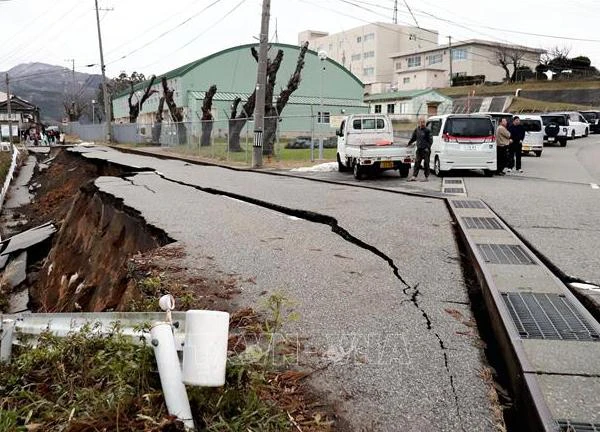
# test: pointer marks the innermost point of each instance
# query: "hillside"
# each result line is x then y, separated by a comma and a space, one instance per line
509, 89
45, 86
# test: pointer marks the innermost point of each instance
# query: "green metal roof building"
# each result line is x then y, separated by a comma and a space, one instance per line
234, 73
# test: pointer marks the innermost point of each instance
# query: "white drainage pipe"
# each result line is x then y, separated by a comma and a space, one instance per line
169, 369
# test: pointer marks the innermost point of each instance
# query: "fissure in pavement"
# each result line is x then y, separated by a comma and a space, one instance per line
412, 292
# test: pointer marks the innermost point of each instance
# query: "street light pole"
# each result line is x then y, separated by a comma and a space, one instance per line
322, 57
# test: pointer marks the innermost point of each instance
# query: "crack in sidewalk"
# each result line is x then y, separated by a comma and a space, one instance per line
412, 291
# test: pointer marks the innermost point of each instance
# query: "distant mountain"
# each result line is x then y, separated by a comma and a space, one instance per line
46, 86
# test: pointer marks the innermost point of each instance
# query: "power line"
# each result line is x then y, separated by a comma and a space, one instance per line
187, 20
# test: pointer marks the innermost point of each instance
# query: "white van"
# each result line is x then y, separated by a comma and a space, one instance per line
578, 125
462, 141
534, 134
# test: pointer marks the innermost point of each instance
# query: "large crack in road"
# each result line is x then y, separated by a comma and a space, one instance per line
411, 291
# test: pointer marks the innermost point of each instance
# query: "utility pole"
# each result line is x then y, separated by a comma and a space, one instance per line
396, 12
450, 56
261, 84
107, 110
8, 108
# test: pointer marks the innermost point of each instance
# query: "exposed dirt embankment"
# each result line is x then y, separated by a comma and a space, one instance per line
87, 266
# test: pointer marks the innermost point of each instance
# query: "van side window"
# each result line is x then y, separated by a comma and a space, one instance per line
380, 124
434, 126
368, 123
356, 124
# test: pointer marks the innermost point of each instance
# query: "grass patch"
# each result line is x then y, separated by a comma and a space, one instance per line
524, 105
509, 89
5, 160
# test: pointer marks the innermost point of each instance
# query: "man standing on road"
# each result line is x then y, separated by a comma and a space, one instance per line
517, 135
502, 143
423, 137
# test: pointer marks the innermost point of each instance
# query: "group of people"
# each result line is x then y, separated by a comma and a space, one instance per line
509, 145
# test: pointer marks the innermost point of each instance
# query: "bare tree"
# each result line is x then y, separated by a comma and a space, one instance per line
501, 59
74, 107
176, 113
134, 109
157, 127
207, 117
505, 57
272, 112
237, 121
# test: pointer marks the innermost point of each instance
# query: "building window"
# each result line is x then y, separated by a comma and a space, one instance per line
390, 108
330, 47
377, 109
359, 39
355, 57
369, 71
398, 65
402, 108
459, 54
406, 80
369, 36
435, 59
323, 117
414, 61
369, 54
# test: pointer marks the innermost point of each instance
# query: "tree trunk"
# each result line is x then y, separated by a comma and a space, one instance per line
207, 117
235, 129
181, 133
270, 134
134, 109
157, 127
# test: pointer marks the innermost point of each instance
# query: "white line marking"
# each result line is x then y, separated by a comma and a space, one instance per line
594, 186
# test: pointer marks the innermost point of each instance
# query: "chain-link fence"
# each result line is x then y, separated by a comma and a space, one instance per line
287, 139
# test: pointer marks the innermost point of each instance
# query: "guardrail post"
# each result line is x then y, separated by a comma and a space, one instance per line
6, 339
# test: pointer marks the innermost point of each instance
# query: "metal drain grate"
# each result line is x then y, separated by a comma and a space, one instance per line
569, 426
548, 316
486, 223
467, 204
453, 181
505, 254
454, 190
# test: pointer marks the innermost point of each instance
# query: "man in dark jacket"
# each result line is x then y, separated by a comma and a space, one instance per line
517, 135
423, 138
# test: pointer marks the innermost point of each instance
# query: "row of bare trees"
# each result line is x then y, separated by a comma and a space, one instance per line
238, 117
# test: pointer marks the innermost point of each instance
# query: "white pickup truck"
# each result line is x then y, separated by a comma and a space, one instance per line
366, 145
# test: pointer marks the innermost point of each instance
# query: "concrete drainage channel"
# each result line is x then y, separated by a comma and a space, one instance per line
549, 341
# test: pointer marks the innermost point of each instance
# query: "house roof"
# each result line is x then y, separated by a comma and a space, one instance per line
182, 70
294, 99
484, 42
401, 95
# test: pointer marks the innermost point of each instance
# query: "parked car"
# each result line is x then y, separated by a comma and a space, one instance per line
534, 134
556, 128
593, 118
365, 143
300, 142
577, 124
463, 142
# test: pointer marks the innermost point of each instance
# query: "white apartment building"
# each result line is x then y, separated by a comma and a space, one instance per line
366, 50
430, 67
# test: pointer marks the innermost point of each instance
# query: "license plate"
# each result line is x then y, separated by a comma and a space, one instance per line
526, 148
470, 147
550, 139
386, 164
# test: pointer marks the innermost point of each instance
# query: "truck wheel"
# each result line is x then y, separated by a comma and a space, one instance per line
488, 173
538, 153
404, 170
437, 170
341, 167
357, 170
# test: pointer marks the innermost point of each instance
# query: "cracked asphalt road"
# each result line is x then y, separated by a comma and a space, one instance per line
392, 355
